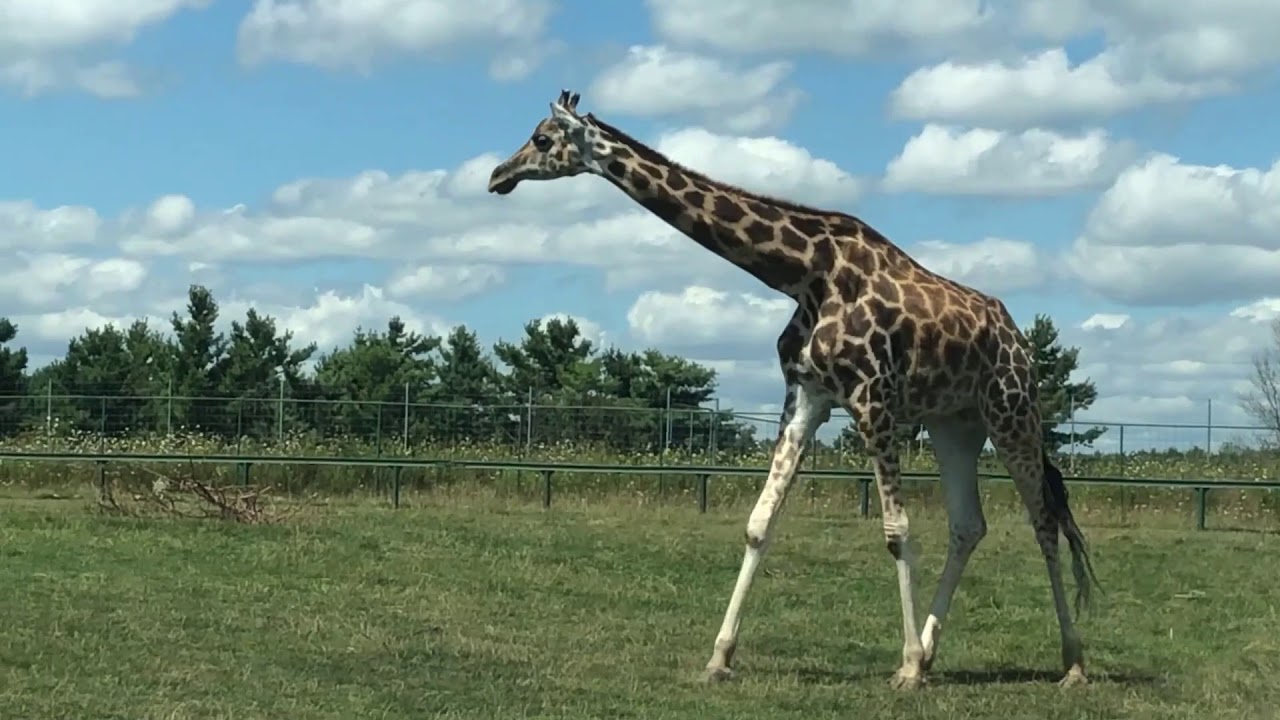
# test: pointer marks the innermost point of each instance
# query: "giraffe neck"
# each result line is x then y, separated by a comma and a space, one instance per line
777, 245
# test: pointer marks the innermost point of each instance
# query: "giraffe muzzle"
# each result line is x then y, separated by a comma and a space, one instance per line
502, 186
502, 181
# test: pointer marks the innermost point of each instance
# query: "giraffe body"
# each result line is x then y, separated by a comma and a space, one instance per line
873, 332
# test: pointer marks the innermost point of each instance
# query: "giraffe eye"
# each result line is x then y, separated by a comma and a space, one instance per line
542, 142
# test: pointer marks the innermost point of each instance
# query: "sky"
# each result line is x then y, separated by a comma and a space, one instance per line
1110, 163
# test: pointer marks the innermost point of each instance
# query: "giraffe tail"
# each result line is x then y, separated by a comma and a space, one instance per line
1081, 566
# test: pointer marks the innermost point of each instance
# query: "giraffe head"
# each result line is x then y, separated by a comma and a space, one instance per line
563, 144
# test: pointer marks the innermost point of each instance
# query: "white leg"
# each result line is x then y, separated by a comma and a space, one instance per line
805, 410
956, 445
875, 423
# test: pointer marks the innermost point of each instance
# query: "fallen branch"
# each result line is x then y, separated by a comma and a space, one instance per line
189, 497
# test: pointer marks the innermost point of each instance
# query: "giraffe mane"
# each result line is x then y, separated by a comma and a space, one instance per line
645, 152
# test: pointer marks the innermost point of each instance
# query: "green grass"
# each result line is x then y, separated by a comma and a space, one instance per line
483, 607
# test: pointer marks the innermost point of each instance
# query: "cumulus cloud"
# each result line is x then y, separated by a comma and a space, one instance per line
429, 217
448, 282
356, 36
701, 318
43, 279
1155, 370
1192, 40
1172, 233
657, 80
49, 45
24, 224
946, 160
838, 27
329, 317
992, 265
768, 165
1038, 89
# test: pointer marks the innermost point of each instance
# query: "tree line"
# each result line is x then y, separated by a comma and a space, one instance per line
397, 385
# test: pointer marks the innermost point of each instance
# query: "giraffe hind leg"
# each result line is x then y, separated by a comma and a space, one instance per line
957, 443
1040, 485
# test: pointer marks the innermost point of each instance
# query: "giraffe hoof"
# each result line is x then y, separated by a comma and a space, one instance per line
1074, 678
903, 680
714, 675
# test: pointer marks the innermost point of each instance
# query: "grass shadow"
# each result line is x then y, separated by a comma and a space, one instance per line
986, 676
1023, 676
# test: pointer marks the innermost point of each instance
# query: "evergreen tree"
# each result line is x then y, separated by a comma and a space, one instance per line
198, 351
13, 379
376, 374
1059, 397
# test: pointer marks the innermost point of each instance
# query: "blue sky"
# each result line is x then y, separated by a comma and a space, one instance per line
325, 162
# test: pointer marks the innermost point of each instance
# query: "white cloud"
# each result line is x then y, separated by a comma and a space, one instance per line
992, 265
429, 217
343, 35
1264, 309
446, 282
331, 317
1037, 89
657, 80
1156, 370
768, 165
45, 279
51, 330
1034, 163
702, 318
24, 224
1105, 321
1161, 201
838, 27
1178, 234
46, 45
170, 214
1191, 40
588, 329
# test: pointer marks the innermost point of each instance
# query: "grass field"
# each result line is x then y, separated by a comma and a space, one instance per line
491, 608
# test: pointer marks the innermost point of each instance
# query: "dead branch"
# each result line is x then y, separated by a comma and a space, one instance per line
190, 497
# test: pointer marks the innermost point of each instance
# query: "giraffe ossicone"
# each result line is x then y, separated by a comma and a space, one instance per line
873, 332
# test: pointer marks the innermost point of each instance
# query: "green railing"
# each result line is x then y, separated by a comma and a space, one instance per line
547, 471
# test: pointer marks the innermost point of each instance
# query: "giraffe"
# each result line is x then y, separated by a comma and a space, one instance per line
873, 332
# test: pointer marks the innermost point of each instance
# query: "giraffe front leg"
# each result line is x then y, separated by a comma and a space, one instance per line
803, 412
876, 424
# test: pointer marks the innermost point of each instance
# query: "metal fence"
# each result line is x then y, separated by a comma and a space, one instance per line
605, 430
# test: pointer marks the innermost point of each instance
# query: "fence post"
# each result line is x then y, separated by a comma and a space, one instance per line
168, 411
395, 487
1124, 468
102, 424
239, 425
1202, 502
1208, 427
864, 497
405, 430
48, 408
528, 415
666, 422
546, 489
280, 413
715, 432
102, 478
1072, 399
702, 492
